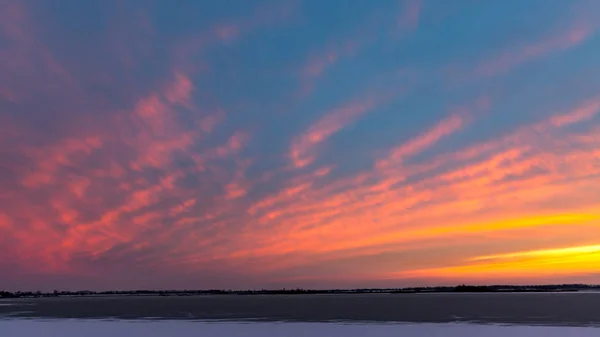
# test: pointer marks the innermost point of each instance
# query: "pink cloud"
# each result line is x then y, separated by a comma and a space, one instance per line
238, 186
148, 137
302, 148
444, 128
14, 21
283, 195
51, 158
583, 113
234, 144
7, 94
234, 191
180, 91
229, 31
186, 205
319, 62
512, 58
27, 66
409, 16
208, 123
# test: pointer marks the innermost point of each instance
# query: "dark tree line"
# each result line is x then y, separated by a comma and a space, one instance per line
299, 291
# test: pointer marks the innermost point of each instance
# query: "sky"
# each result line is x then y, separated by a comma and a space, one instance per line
298, 143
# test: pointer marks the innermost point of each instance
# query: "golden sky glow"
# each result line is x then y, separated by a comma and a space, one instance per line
538, 263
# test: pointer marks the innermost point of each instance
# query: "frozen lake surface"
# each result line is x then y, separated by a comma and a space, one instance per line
182, 328
569, 309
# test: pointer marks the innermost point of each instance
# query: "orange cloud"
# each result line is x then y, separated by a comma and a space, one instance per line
498, 177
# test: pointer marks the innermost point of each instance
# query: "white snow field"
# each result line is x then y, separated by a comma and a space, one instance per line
116, 328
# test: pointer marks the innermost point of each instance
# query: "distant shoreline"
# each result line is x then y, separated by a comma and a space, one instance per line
411, 290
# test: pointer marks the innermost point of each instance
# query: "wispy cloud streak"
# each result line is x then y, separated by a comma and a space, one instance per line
303, 147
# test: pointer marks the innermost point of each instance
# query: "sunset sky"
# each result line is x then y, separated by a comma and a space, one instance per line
298, 143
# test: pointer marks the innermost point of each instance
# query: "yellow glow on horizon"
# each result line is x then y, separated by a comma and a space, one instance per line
542, 252
475, 227
544, 262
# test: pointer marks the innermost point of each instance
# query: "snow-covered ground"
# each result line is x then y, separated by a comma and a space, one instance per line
108, 328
